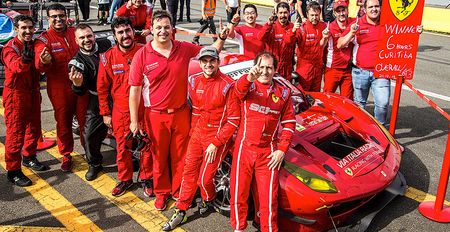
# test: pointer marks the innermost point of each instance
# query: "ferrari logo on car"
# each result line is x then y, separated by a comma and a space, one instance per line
349, 171
275, 98
299, 127
402, 8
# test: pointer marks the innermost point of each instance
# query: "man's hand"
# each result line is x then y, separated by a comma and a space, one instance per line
210, 153
255, 72
145, 32
297, 25
129, 4
272, 18
326, 32
236, 18
27, 54
107, 120
224, 31
276, 160
75, 76
135, 128
355, 27
228, 8
45, 56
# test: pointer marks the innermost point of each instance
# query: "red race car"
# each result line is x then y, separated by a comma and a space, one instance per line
341, 169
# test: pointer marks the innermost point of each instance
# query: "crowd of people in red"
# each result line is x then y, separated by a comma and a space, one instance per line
141, 89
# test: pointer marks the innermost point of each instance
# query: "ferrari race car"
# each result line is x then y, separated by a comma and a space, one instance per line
341, 168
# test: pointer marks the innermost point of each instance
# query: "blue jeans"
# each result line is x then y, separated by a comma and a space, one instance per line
363, 80
114, 6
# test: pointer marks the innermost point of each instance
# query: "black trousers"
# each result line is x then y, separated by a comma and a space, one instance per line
208, 23
95, 132
84, 8
231, 13
188, 8
172, 6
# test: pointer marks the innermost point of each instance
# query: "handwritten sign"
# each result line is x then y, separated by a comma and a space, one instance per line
397, 48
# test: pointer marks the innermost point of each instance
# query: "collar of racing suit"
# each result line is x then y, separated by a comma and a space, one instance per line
90, 53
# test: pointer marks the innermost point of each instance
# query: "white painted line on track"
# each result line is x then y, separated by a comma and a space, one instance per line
427, 93
192, 31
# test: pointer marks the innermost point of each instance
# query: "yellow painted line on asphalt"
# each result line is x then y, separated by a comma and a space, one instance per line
142, 212
53, 201
421, 196
2, 110
32, 229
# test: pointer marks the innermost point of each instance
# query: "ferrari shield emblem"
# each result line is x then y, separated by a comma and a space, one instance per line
299, 127
402, 8
349, 171
275, 98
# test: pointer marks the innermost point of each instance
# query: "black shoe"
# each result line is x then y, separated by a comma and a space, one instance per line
189, 20
177, 218
196, 42
34, 164
93, 171
204, 207
180, 20
18, 178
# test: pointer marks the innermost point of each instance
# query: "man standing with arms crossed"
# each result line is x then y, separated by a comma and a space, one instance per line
247, 34
365, 34
259, 151
54, 49
112, 81
337, 71
279, 37
159, 72
22, 103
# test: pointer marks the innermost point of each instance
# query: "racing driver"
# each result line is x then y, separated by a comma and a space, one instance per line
22, 102
54, 49
112, 81
259, 152
215, 117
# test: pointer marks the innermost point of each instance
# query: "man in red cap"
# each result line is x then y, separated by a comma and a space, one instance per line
337, 71
312, 38
215, 117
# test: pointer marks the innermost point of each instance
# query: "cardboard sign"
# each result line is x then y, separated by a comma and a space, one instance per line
397, 47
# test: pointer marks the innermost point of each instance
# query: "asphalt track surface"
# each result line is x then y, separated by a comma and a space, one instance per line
67, 202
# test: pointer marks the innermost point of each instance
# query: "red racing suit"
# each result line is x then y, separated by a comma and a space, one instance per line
141, 18
22, 104
65, 102
337, 69
215, 117
310, 55
280, 40
112, 81
263, 109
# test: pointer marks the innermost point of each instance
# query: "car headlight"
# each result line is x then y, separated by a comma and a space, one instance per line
313, 181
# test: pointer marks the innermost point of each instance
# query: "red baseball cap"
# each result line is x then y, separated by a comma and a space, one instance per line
339, 3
